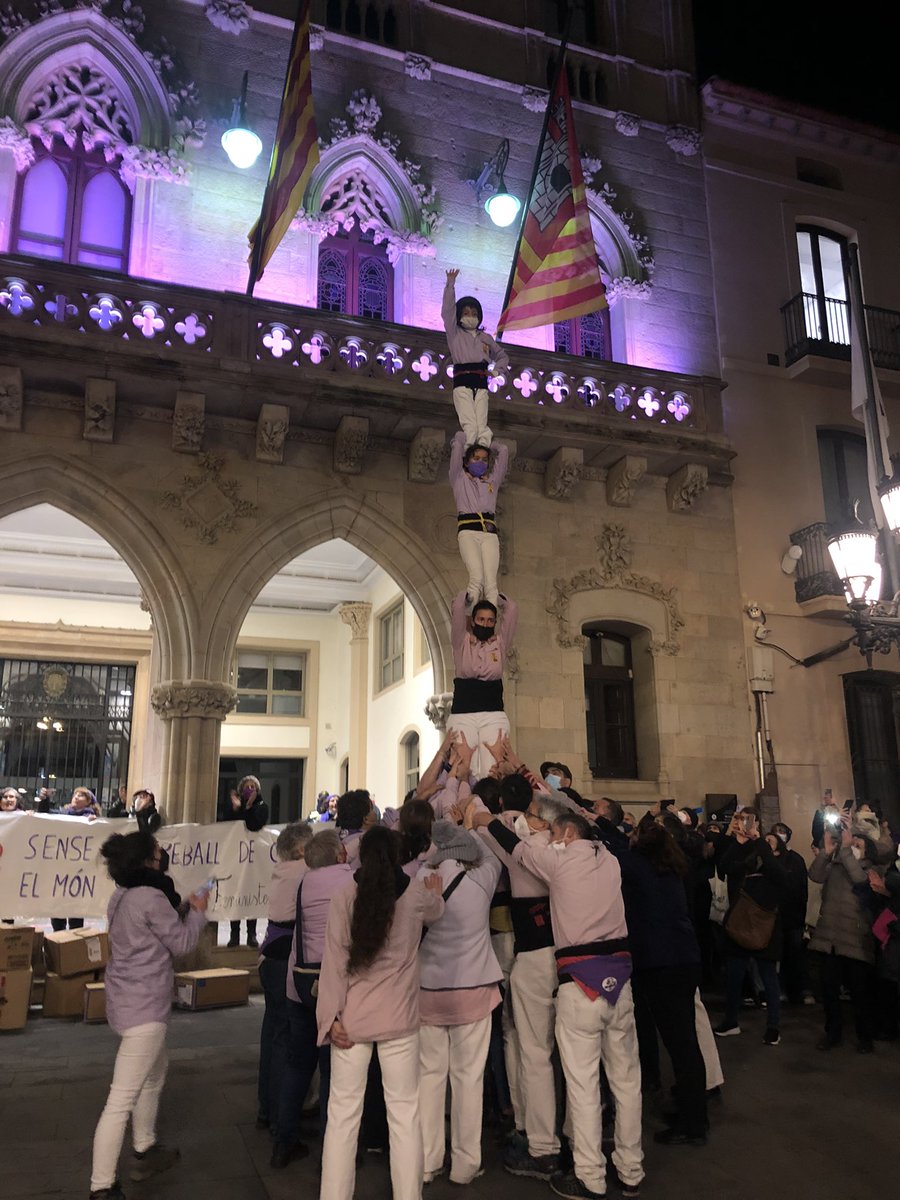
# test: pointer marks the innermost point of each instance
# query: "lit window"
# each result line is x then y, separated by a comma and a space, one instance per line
391, 646
72, 206
585, 337
355, 276
409, 750
823, 281
270, 684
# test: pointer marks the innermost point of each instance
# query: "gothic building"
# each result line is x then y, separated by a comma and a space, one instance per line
228, 540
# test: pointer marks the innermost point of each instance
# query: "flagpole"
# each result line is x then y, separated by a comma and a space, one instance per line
873, 431
560, 67
256, 253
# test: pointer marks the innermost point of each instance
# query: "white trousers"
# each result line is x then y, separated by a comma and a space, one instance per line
707, 1042
138, 1078
480, 553
458, 1053
472, 410
588, 1033
502, 944
480, 730
399, 1061
533, 982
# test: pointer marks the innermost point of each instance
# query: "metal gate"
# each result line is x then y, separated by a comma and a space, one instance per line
65, 725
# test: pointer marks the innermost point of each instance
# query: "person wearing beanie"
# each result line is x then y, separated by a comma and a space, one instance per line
459, 976
473, 351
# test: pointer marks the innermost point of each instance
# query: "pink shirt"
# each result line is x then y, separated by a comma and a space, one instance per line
471, 494
319, 886
380, 1002
522, 882
481, 660
286, 878
585, 884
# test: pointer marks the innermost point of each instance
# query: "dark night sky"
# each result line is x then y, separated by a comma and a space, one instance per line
845, 59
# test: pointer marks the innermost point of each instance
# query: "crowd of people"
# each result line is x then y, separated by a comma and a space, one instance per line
499, 937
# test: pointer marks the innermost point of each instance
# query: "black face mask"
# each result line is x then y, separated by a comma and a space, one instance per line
484, 633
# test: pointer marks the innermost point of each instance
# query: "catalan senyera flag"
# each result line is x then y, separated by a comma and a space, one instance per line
294, 154
556, 274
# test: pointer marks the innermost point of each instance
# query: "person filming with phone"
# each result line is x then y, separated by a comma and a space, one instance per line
752, 925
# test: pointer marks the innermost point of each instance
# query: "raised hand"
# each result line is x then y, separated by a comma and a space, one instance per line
453, 275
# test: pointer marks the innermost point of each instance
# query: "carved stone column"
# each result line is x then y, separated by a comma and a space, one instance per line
437, 710
357, 614
193, 711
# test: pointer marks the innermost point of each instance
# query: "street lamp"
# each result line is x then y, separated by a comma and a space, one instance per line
501, 206
854, 553
889, 494
239, 142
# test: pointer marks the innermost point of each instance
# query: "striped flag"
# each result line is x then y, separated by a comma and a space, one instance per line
866, 402
555, 272
294, 154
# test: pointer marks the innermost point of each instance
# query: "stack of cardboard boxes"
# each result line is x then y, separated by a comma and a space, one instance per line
75, 958
16, 943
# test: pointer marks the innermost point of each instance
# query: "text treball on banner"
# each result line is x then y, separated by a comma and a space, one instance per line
555, 273
294, 154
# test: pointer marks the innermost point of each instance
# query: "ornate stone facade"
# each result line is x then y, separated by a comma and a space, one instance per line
193, 698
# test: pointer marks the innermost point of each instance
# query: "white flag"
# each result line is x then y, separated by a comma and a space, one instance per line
859, 349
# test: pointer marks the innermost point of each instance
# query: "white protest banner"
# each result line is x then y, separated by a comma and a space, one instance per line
51, 866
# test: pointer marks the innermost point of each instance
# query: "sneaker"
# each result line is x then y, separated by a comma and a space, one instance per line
570, 1185
772, 1037
465, 1182
630, 1190
724, 1030
153, 1161
677, 1137
431, 1176
111, 1193
519, 1161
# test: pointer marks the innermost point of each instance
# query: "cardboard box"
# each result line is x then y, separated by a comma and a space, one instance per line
15, 995
64, 995
94, 1003
16, 943
217, 987
76, 951
37, 953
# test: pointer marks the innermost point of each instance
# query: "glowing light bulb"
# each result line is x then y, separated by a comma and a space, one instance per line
502, 208
242, 146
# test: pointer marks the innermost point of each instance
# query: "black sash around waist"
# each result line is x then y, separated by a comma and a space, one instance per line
476, 523
477, 695
531, 923
613, 946
472, 375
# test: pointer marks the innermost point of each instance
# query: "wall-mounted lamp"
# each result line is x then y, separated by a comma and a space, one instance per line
501, 206
239, 142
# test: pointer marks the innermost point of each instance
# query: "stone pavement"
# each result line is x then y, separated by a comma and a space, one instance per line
793, 1122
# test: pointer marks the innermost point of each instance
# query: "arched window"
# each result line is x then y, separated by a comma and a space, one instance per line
585, 337
72, 206
609, 704
355, 276
409, 762
822, 254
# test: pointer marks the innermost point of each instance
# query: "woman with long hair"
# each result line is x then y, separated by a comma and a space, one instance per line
414, 826
368, 995
146, 933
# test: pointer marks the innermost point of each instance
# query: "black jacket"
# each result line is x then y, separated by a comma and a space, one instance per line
254, 817
752, 867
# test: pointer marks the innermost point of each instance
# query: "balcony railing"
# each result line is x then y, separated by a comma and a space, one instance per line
815, 576
819, 325
165, 324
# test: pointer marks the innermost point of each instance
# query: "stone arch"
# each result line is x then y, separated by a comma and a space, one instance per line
37, 52
362, 523
615, 242
73, 487
401, 208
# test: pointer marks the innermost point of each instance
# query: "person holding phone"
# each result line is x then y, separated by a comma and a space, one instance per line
146, 934
746, 862
246, 804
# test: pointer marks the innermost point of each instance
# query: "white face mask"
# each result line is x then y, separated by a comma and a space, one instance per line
521, 826
856, 852
559, 847
470, 323
782, 837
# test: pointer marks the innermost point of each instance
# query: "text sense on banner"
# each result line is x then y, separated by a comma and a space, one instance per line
50, 866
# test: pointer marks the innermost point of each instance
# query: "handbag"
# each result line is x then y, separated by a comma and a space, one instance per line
718, 905
749, 924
